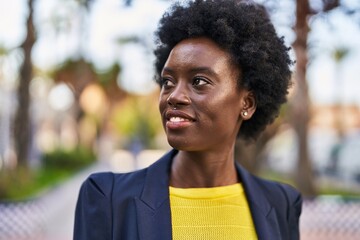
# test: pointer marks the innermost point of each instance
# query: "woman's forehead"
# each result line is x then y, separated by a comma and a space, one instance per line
199, 53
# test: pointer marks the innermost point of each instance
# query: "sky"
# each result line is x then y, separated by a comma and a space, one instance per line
109, 21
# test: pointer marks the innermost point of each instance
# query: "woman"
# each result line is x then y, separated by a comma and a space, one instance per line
223, 74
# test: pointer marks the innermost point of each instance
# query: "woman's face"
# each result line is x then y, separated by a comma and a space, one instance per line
200, 101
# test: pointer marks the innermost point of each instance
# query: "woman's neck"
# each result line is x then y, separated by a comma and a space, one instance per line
200, 170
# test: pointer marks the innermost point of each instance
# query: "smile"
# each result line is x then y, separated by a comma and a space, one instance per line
178, 119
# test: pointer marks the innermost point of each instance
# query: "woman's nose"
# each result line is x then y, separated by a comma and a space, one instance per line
179, 96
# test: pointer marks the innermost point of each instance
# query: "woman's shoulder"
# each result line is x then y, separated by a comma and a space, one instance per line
279, 187
106, 177
104, 183
274, 191
130, 183
279, 192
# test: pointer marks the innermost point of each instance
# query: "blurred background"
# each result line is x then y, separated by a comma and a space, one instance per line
77, 96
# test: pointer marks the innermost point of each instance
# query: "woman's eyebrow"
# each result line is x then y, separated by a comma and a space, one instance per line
167, 69
203, 69
192, 70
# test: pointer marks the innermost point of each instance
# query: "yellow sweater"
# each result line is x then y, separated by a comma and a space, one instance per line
211, 213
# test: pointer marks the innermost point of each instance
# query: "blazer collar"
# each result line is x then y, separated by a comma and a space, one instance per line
263, 214
153, 206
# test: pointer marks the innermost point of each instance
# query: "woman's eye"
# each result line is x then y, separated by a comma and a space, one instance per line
199, 81
166, 82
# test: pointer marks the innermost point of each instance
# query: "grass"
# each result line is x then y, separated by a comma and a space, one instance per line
23, 184
344, 193
59, 165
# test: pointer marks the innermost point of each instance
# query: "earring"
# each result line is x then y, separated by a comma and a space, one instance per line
244, 113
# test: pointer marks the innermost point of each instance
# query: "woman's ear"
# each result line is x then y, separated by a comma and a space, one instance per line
248, 105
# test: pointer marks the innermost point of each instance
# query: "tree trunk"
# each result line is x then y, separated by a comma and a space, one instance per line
300, 102
22, 119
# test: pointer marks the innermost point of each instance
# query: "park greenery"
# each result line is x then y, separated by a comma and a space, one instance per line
58, 165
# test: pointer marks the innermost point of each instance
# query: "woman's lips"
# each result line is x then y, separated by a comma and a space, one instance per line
176, 119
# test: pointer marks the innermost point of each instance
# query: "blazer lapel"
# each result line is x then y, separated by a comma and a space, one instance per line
153, 206
264, 216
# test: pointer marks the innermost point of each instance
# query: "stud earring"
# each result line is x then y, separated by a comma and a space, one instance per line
244, 113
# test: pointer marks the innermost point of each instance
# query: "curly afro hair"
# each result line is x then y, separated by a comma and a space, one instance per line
243, 29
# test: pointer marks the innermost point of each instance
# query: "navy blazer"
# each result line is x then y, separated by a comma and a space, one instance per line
136, 205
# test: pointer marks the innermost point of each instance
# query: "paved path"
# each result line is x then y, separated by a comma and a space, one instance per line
60, 205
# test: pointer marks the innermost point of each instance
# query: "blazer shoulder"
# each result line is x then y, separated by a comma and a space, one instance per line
294, 199
274, 188
281, 195
292, 194
103, 183
100, 197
